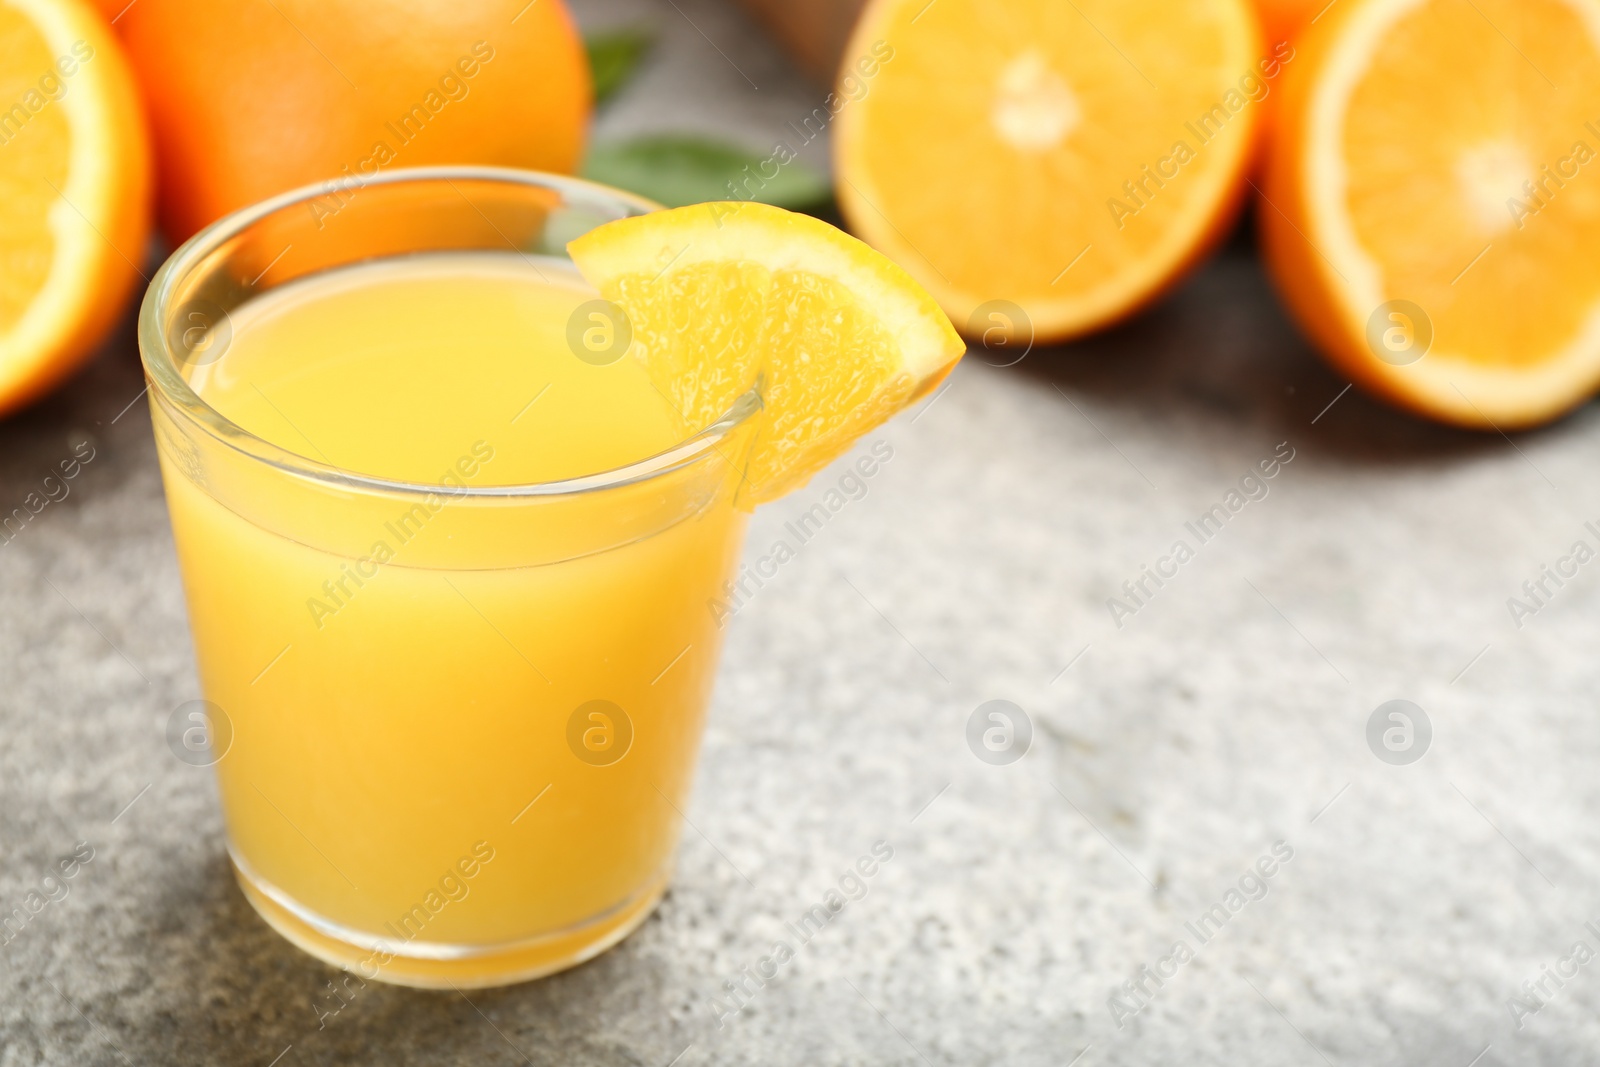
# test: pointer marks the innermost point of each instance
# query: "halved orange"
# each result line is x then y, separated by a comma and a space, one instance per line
1072, 159
1434, 202
75, 177
721, 295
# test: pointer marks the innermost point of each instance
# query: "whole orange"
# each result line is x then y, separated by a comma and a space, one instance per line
253, 97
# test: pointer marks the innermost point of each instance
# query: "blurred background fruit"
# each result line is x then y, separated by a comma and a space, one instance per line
111, 8
1044, 170
75, 170
1435, 203
253, 97
1070, 160
1283, 20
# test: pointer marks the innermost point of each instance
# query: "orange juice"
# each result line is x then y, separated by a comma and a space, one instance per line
459, 705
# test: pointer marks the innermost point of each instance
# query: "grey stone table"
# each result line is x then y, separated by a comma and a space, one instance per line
1219, 731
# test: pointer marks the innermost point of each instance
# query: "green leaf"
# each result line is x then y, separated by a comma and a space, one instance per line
614, 56
680, 169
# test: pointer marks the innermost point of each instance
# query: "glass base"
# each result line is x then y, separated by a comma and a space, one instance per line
437, 966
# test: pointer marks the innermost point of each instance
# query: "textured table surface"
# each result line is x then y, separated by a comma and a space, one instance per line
1167, 757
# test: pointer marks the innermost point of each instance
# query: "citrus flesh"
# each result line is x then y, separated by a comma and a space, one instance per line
74, 188
1445, 155
1028, 150
722, 296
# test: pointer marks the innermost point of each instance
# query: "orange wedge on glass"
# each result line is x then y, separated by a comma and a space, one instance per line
1070, 159
1433, 203
74, 170
720, 296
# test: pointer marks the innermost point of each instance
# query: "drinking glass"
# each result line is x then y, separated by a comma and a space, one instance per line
478, 775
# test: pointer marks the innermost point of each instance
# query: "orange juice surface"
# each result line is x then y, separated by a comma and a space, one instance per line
461, 723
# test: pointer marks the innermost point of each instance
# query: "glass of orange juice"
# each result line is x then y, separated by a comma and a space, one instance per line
450, 561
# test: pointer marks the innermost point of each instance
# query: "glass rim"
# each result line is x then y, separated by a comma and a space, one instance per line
169, 386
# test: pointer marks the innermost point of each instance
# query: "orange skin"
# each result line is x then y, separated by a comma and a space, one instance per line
109, 8
1281, 20
251, 98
